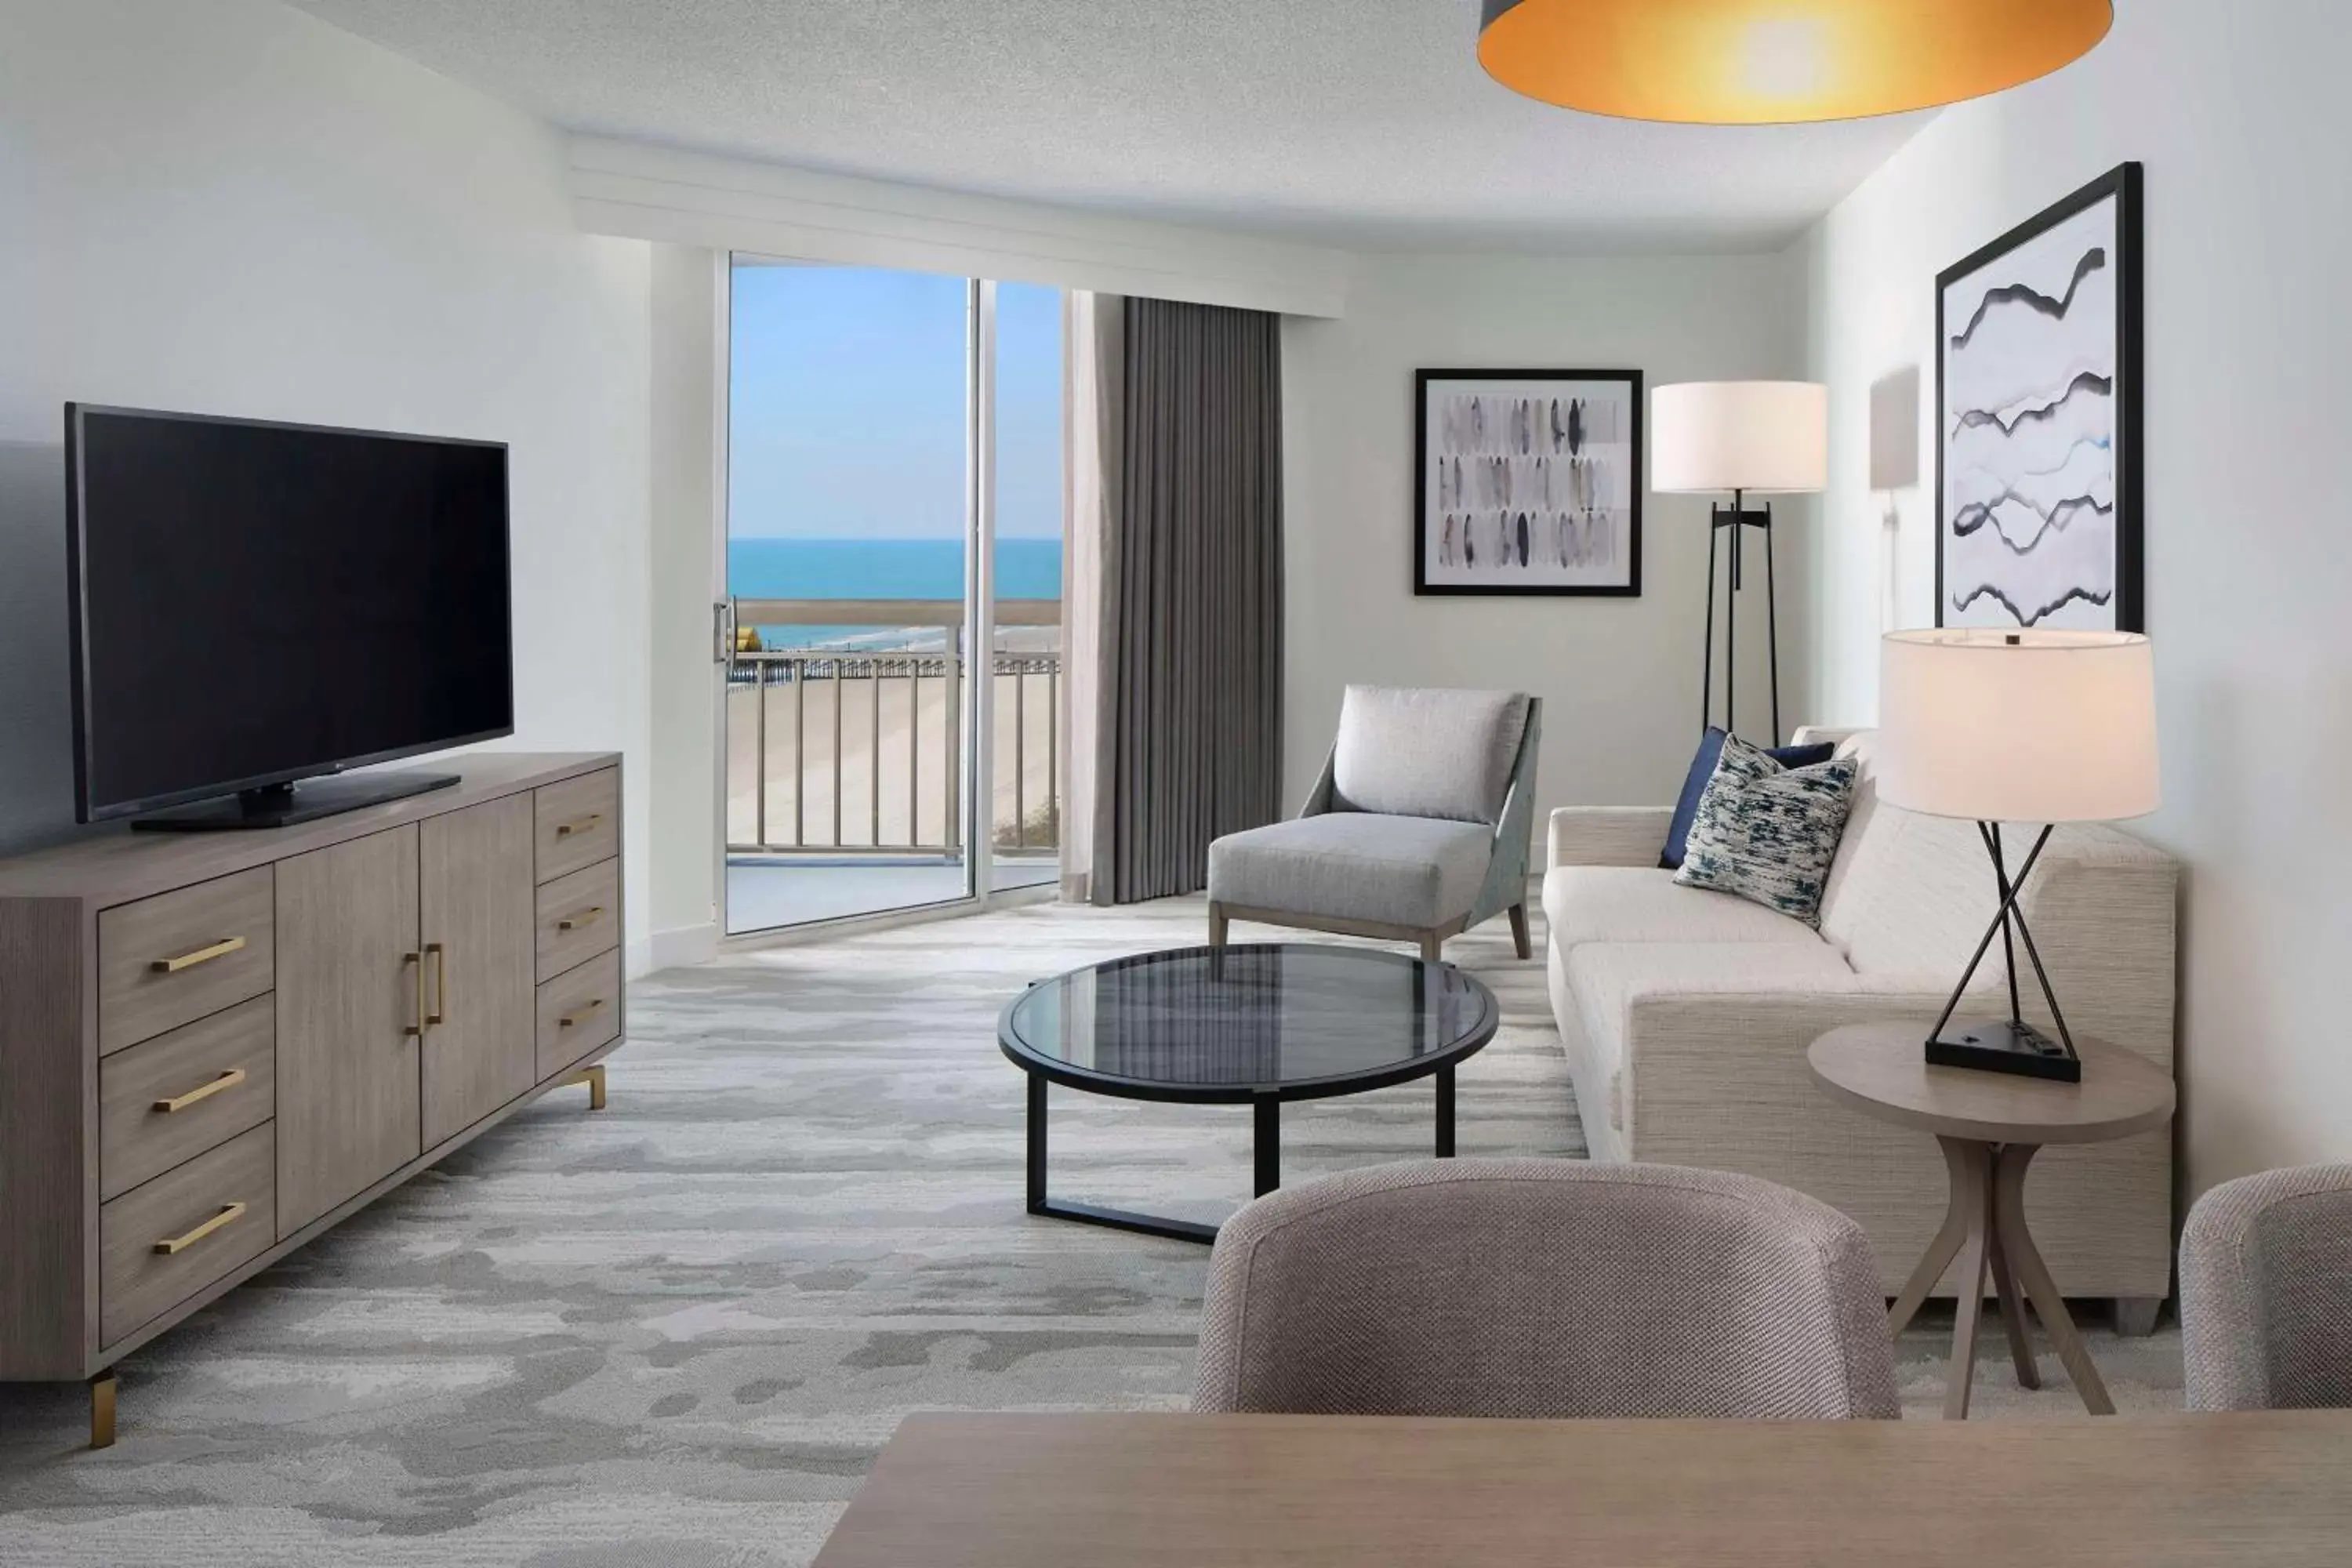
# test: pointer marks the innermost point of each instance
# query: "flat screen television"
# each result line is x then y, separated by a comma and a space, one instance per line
257, 604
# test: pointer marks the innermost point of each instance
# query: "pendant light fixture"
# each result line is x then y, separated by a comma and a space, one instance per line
1771, 62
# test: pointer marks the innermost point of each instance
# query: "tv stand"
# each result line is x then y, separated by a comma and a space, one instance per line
215, 1047
282, 806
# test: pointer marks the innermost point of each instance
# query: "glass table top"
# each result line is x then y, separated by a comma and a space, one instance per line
1295, 1019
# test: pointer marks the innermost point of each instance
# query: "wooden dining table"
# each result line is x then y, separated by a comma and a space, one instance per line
2262, 1489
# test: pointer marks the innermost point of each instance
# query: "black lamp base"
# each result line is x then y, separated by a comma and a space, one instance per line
2000, 1045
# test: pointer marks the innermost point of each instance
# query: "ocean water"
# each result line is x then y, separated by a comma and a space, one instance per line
877, 569
885, 568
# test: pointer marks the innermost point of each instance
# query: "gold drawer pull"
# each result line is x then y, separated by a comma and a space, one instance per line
417, 961
581, 826
440, 956
220, 949
586, 917
229, 1215
582, 1016
226, 1081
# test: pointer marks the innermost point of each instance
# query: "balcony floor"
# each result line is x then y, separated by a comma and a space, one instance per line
764, 893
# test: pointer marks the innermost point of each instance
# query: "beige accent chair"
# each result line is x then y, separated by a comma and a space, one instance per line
1543, 1288
2266, 1292
1417, 830
1687, 1015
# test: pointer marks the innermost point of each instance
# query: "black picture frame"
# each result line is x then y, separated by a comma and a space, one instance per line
1422, 584
2127, 604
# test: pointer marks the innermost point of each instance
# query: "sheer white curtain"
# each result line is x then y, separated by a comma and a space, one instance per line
1093, 343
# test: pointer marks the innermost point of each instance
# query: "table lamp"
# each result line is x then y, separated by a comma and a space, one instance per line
1745, 437
2020, 727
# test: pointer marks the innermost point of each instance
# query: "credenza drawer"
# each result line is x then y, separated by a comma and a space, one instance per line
579, 917
579, 823
168, 1100
578, 1011
169, 960
164, 1242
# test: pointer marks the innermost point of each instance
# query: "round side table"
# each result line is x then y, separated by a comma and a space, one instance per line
1991, 1124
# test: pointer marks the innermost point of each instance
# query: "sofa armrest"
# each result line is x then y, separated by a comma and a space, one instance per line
1608, 835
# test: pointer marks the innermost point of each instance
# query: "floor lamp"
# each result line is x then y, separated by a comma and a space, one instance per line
1747, 437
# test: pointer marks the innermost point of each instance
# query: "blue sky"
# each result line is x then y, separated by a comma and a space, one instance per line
846, 405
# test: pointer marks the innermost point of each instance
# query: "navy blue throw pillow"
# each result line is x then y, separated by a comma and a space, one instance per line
1702, 768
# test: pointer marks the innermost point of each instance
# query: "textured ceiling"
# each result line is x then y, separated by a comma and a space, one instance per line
1361, 123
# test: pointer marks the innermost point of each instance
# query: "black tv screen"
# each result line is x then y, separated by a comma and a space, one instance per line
255, 603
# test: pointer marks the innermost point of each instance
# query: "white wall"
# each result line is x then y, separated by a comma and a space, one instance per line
2240, 115
689, 382
1620, 678
233, 207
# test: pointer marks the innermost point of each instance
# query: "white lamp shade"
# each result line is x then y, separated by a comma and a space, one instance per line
2031, 726
1740, 435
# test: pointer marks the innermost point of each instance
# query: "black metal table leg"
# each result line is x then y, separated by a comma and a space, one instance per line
1037, 1143
1093, 1214
1446, 1114
1267, 1141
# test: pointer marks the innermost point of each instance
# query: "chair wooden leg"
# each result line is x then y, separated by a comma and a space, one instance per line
1216, 925
1519, 931
101, 1410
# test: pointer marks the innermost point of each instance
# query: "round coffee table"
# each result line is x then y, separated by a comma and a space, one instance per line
1250, 1024
1990, 1125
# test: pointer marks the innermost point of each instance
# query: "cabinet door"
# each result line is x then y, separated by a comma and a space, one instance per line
479, 924
349, 989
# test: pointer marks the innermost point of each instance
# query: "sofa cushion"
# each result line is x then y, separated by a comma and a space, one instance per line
1641, 903
1397, 870
1403, 751
1769, 833
1909, 895
1702, 771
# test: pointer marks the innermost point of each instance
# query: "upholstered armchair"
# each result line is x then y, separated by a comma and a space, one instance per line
1544, 1288
2266, 1292
1416, 831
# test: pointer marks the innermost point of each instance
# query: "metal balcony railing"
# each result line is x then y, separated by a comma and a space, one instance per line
858, 748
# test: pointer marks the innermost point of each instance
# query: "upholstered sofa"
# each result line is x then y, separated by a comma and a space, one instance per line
1687, 1015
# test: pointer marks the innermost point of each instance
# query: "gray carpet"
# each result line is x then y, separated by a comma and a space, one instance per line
676, 1332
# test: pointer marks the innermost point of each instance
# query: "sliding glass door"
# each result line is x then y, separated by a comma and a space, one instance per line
1025, 822
886, 748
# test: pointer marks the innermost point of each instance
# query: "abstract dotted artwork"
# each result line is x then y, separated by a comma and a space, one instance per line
1527, 482
2037, 399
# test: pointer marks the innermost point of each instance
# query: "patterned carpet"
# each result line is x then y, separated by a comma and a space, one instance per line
676, 1332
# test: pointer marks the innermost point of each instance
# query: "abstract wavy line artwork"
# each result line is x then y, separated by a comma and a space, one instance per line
2037, 405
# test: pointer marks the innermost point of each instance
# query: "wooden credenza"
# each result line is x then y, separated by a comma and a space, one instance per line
214, 1047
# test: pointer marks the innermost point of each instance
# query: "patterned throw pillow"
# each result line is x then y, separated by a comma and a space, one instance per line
1769, 833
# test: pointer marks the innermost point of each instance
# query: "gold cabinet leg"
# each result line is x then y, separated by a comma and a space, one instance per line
101, 1410
594, 1078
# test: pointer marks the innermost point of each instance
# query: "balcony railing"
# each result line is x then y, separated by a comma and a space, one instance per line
855, 746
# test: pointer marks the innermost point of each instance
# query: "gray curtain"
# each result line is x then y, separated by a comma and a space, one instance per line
1191, 700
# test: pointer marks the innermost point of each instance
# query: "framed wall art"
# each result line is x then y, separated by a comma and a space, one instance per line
1527, 482
2038, 418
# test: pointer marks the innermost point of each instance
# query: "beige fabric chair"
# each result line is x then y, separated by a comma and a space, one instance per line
1543, 1288
1685, 1015
2266, 1292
